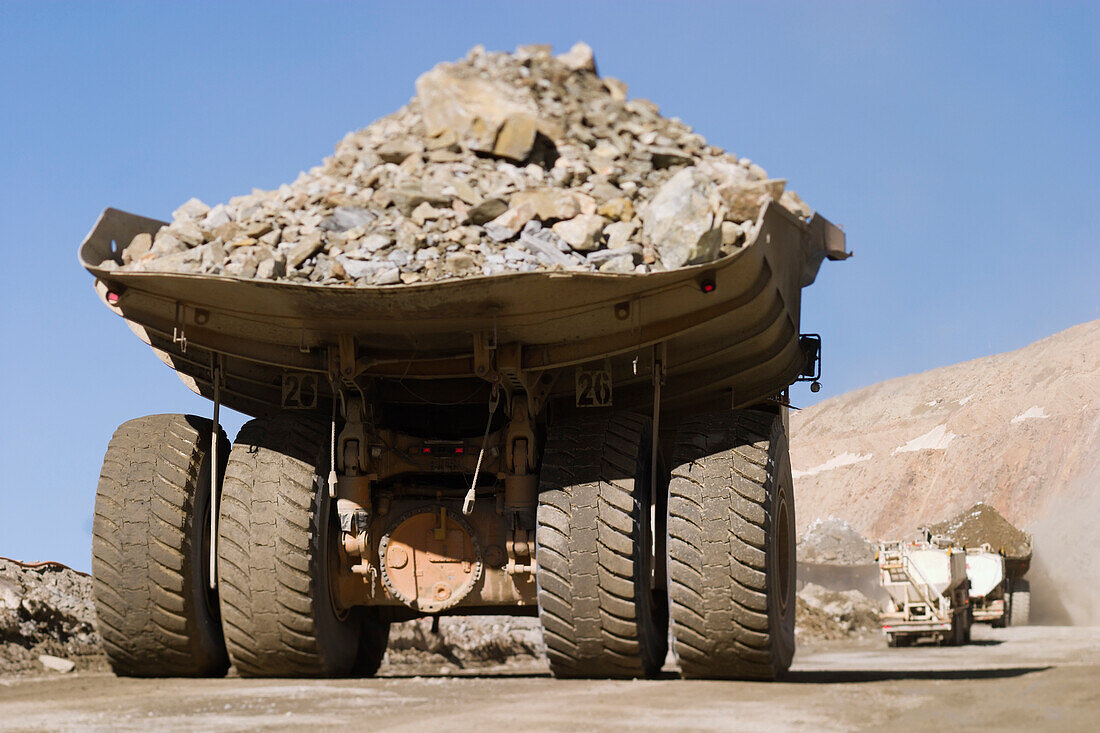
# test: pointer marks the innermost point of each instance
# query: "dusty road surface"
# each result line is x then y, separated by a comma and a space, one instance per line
1029, 678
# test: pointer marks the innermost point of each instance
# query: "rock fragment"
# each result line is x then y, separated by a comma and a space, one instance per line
56, 664
508, 225
579, 58
681, 220
582, 233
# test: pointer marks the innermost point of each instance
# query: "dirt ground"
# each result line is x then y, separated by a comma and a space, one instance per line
1037, 678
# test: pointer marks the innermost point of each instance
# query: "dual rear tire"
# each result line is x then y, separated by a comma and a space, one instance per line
602, 614
730, 552
158, 615
731, 548
277, 545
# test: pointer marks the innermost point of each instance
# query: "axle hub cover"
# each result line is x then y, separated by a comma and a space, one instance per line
430, 559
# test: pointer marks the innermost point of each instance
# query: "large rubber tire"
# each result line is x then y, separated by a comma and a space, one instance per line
731, 547
1020, 607
601, 616
157, 615
276, 540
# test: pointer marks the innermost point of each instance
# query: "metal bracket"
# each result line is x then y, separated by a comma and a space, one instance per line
346, 355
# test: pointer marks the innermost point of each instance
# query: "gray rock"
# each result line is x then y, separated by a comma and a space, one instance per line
57, 664
407, 199
619, 233
192, 209
360, 269
549, 203
681, 222
486, 211
187, 232
399, 257
216, 217
745, 200
545, 244
603, 255
424, 213
582, 233
139, 246
395, 151
309, 245
662, 157
271, 269
579, 58
375, 242
484, 114
460, 263
390, 276
347, 217
508, 225
213, 256
620, 264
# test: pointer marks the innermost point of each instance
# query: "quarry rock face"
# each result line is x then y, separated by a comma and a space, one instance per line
502, 163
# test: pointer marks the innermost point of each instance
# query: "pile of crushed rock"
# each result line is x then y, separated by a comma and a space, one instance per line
47, 623
501, 163
826, 615
464, 642
47, 619
839, 593
982, 524
833, 541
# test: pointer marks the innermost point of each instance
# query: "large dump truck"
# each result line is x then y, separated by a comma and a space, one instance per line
983, 531
929, 593
536, 443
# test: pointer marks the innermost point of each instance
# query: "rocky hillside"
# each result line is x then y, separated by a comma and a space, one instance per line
1019, 431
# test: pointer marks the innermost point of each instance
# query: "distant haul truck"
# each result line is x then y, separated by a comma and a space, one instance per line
929, 593
985, 569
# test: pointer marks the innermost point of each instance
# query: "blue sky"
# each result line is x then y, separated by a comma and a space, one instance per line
956, 143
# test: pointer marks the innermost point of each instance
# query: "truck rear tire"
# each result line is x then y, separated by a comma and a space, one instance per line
157, 615
731, 547
277, 546
1020, 606
601, 614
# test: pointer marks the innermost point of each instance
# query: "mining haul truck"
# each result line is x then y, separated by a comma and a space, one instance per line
929, 593
985, 569
602, 451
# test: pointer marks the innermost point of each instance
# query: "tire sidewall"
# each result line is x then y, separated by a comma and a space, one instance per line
208, 642
780, 560
652, 615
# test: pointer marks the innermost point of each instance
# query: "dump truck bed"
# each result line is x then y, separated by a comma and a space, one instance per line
730, 326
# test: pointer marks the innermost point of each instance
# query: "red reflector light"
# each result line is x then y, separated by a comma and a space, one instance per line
112, 297
426, 449
707, 286
459, 451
